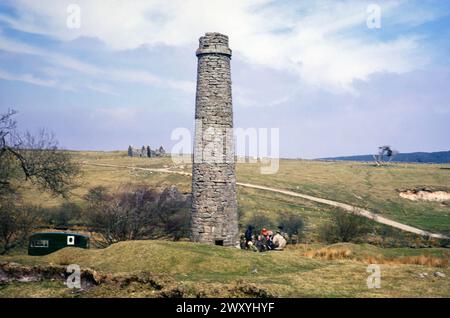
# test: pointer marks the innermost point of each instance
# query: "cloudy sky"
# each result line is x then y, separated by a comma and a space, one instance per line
313, 69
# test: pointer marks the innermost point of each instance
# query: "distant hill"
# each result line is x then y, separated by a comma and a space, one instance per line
422, 157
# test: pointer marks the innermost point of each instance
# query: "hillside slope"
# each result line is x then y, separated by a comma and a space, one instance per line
203, 270
359, 184
412, 157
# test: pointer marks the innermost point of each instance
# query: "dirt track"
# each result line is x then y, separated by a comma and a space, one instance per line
344, 206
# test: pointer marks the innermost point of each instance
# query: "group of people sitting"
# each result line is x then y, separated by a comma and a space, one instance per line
265, 241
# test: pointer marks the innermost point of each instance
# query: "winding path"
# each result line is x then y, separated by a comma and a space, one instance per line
344, 206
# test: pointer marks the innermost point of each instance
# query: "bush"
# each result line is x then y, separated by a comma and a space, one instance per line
174, 213
391, 237
345, 227
16, 223
64, 216
120, 216
136, 212
260, 221
291, 223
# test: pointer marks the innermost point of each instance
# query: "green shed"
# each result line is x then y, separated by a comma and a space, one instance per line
44, 243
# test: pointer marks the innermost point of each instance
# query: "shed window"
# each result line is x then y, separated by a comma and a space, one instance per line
71, 240
39, 243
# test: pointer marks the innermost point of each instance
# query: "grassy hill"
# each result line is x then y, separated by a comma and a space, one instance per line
191, 270
360, 184
413, 157
187, 269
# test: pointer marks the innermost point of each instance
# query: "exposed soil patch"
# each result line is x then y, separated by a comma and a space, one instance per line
161, 285
13, 272
425, 194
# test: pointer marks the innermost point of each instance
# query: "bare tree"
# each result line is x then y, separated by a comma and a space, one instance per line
124, 215
35, 158
173, 213
135, 213
384, 152
16, 223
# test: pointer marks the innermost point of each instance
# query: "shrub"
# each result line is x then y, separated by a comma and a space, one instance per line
291, 223
136, 212
174, 213
16, 223
64, 216
120, 216
260, 221
344, 227
391, 237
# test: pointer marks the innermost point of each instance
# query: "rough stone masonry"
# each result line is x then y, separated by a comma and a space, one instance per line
214, 205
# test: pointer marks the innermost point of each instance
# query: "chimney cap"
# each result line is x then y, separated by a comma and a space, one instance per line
213, 43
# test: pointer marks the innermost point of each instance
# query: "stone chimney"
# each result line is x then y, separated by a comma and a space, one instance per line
214, 204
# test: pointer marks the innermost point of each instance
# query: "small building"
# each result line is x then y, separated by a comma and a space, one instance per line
44, 243
146, 151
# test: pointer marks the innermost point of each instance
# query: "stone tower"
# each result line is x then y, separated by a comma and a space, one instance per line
214, 205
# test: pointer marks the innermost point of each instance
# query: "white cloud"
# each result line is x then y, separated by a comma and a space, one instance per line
144, 77
121, 75
326, 43
101, 88
112, 117
56, 58
31, 79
